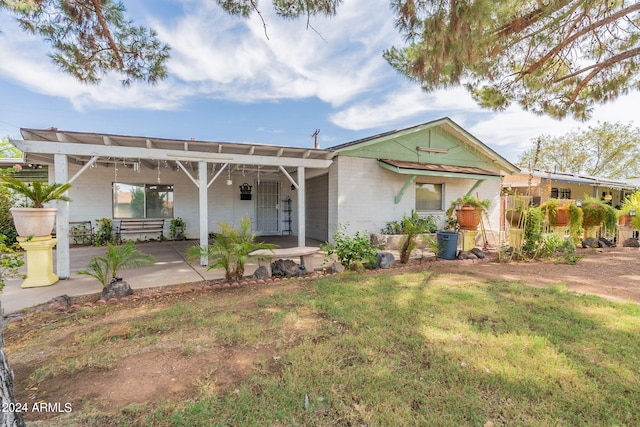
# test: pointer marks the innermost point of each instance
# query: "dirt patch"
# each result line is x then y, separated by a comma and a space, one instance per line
612, 273
166, 371
174, 372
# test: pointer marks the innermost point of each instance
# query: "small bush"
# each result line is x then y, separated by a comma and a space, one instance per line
353, 251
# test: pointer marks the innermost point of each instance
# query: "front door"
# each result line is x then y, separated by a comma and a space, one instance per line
267, 218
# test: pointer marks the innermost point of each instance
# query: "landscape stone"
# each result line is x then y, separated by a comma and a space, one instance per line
478, 252
261, 273
118, 288
285, 268
467, 255
384, 260
631, 242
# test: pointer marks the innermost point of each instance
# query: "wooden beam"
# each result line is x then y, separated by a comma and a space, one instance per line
46, 147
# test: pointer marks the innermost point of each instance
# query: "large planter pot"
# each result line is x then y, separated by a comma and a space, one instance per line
514, 217
469, 217
561, 218
35, 222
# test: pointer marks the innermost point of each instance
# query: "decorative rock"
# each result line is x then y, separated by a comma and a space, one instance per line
384, 260
477, 252
88, 304
285, 268
606, 243
61, 301
112, 301
74, 307
101, 302
631, 243
261, 273
591, 242
116, 289
467, 255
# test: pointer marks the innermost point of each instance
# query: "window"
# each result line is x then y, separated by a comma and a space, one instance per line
429, 197
560, 193
142, 201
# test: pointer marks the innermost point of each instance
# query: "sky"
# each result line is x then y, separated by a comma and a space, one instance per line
230, 82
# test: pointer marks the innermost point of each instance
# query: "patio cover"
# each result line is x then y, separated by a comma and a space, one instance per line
53, 146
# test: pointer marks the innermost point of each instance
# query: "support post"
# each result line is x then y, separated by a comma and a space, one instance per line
302, 227
204, 213
63, 262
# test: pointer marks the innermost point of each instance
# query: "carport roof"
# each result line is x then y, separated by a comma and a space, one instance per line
40, 145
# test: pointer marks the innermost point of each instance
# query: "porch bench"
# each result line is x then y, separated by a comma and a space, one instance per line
81, 232
305, 253
140, 226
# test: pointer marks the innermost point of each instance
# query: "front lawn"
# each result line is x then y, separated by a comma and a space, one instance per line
410, 348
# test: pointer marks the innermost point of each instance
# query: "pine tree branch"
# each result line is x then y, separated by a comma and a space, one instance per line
107, 32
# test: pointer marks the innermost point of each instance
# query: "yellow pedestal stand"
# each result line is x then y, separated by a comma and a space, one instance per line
39, 261
469, 239
516, 238
560, 231
591, 232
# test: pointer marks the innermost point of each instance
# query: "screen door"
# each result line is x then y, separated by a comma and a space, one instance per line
267, 220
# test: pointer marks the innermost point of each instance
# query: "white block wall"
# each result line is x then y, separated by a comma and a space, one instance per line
91, 195
361, 194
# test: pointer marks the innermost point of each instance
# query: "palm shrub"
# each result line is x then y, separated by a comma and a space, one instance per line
412, 226
37, 192
106, 268
231, 249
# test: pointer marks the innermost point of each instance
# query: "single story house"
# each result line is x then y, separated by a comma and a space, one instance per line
306, 192
560, 185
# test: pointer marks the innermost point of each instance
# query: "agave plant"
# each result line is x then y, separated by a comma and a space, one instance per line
106, 268
231, 249
38, 193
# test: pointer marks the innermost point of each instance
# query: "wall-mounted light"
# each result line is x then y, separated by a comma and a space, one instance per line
245, 191
578, 203
136, 165
632, 212
608, 197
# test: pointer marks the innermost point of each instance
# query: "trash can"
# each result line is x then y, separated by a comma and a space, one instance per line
447, 244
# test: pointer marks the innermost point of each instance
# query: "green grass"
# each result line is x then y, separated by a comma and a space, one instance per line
417, 349
400, 349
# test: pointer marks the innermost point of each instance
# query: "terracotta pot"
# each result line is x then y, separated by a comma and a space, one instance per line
469, 217
513, 217
35, 222
624, 220
561, 218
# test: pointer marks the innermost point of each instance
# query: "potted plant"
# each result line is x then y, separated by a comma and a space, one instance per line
596, 212
176, 228
630, 211
516, 210
468, 211
35, 219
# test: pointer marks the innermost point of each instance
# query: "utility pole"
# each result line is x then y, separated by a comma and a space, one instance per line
315, 139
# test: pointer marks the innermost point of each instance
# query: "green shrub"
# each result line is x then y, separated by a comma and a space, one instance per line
11, 259
426, 223
353, 251
104, 233
106, 268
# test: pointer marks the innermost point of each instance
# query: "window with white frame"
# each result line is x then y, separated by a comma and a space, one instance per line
142, 200
429, 197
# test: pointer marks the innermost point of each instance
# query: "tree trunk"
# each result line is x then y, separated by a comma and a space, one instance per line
8, 416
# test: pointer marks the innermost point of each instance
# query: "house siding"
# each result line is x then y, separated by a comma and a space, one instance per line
362, 196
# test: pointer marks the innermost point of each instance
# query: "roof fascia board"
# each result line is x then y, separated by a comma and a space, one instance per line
403, 171
48, 147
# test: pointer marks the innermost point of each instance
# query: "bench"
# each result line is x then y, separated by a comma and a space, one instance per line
81, 232
305, 253
140, 226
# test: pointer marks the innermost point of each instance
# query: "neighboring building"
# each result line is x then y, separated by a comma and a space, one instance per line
306, 192
543, 185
